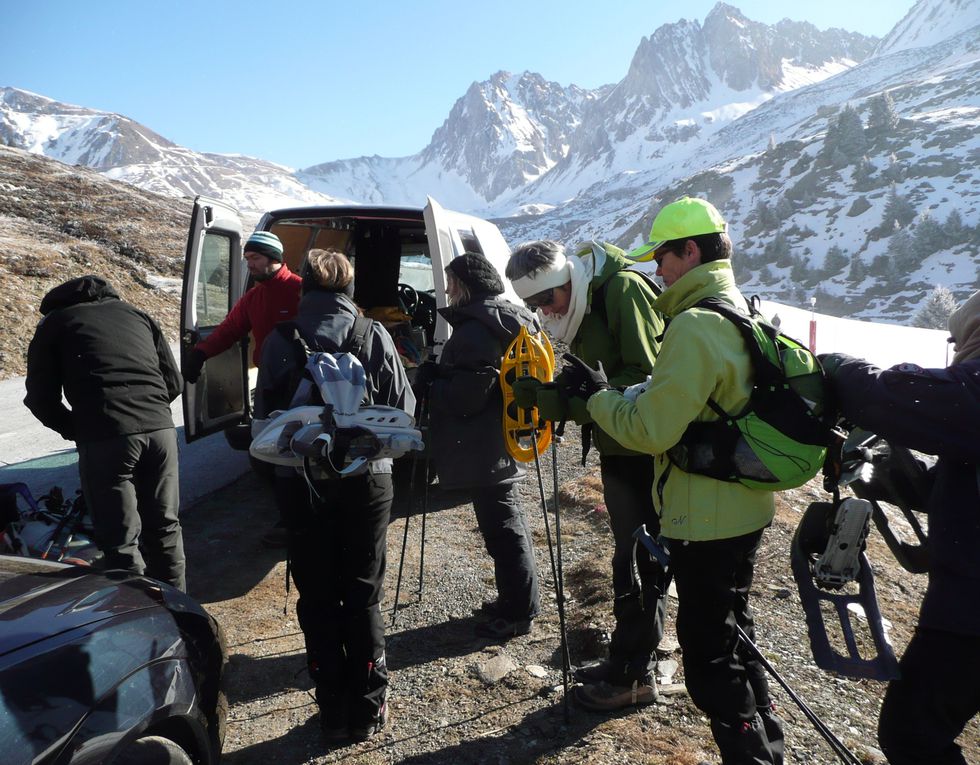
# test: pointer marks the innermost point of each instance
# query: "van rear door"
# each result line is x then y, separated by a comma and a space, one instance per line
451, 234
214, 278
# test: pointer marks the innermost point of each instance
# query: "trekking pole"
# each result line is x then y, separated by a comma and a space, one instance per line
846, 755
425, 512
408, 517
559, 593
561, 574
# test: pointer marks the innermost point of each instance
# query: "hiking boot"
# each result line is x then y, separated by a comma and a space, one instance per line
277, 536
593, 672
603, 697
501, 628
609, 671
488, 608
364, 732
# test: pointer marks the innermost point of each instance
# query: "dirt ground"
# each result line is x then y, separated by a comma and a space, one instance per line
457, 699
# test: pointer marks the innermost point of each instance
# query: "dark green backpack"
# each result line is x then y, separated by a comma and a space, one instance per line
780, 439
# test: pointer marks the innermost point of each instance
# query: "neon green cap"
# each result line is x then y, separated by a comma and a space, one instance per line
684, 218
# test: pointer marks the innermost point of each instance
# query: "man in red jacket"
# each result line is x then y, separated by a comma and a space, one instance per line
274, 298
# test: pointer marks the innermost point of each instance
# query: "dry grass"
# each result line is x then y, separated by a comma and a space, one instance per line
58, 222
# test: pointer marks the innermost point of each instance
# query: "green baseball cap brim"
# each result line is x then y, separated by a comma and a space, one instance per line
682, 219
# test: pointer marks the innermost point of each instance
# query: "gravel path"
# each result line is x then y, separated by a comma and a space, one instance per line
457, 699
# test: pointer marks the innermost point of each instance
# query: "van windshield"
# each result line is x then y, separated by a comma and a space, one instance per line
416, 271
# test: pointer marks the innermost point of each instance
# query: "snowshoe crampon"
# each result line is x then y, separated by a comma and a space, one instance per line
525, 434
835, 580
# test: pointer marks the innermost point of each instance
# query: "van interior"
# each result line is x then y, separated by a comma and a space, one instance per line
393, 280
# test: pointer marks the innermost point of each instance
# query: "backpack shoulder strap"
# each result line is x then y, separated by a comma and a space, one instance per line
357, 338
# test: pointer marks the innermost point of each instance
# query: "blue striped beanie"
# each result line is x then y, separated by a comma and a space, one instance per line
265, 243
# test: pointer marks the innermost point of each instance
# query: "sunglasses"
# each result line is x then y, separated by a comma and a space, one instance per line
540, 299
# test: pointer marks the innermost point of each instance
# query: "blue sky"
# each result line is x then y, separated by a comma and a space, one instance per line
305, 82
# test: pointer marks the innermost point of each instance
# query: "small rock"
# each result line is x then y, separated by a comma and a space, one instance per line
536, 670
496, 669
666, 669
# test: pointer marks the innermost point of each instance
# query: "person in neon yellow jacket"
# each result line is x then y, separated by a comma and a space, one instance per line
711, 528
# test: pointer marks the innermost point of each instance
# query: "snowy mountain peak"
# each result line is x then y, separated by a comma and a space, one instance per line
929, 22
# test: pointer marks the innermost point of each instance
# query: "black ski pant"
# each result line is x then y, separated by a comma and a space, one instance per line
713, 579
639, 608
337, 549
507, 537
132, 489
933, 699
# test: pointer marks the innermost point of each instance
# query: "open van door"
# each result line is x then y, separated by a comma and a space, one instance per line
213, 281
451, 234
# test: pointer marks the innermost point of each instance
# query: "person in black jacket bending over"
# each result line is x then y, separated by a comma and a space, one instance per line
337, 526
119, 376
468, 439
936, 411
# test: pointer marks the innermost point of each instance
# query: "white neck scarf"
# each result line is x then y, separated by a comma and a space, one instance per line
581, 271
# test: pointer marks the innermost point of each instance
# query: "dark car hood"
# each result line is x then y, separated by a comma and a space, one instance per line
43, 599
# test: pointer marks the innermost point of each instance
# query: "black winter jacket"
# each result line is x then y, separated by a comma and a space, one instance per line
111, 360
466, 402
935, 411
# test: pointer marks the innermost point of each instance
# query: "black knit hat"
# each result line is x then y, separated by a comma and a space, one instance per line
476, 272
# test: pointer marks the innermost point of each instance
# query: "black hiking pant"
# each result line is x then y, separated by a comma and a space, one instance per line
639, 608
713, 579
337, 547
132, 491
928, 706
507, 537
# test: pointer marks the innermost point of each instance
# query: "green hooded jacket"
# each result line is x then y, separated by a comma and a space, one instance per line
624, 336
703, 356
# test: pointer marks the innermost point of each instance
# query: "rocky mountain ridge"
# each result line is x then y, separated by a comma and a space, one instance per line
746, 113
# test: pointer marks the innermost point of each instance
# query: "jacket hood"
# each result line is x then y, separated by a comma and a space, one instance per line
84, 289
503, 318
615, 261
320, 302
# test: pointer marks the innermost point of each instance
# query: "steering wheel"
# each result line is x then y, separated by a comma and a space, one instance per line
409, 297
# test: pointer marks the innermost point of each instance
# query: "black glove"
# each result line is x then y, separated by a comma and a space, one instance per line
425, 374
831, 362
195, 363
579, 380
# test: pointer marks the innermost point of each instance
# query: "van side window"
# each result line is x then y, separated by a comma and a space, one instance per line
470, 241
213, 294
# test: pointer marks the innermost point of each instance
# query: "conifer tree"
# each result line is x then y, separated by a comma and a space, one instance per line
934, 312
851, 140
929, 235
834, 261
882, 119
954, 230
898, 210
902, 254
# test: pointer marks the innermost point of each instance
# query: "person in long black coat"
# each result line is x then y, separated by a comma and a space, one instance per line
468, 439
935, 411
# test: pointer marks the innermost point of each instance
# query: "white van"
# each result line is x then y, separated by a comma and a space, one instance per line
399, 255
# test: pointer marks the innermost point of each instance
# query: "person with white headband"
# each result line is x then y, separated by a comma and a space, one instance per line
603, 310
